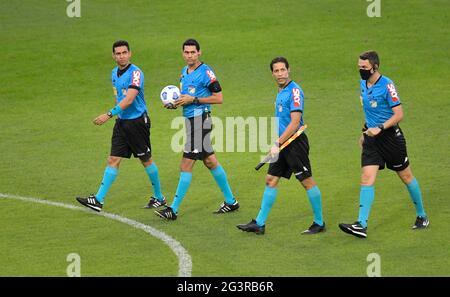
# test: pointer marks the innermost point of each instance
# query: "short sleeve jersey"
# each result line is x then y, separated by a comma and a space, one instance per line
122, 80
289, 99
378, 101
196, 84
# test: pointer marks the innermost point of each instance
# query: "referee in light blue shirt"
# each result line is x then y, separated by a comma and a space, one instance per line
383, 143
199, 89
131, 133
289, 109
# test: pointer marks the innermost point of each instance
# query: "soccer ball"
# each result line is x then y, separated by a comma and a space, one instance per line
169, 95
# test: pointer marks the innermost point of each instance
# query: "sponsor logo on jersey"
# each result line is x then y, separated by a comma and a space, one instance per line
212, 77
136, 80
296, 97
393, 92
191, 89
373, 103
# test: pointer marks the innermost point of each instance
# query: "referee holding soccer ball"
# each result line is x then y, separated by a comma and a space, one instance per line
199, 89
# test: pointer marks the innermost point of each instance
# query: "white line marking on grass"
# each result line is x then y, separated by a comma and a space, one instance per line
184, 259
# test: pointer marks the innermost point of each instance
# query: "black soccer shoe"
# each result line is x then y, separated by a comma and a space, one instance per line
167, 213
91, 202
155, 203
224, 207
354, 229
252, 227
421, 223
314, 229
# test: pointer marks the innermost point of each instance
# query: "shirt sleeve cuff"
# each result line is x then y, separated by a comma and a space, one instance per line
134, 87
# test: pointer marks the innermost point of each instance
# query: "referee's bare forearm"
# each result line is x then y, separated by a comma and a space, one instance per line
131, 95
215, 98
291, 128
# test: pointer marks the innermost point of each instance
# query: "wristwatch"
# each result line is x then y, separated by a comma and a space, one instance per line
109, 113
381, 127
196, 101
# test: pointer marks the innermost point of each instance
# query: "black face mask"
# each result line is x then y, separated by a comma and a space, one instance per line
365, 74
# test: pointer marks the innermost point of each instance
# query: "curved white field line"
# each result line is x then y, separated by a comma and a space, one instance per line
184, 259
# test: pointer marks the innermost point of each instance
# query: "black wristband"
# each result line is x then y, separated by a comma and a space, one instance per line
381, 127
196, 101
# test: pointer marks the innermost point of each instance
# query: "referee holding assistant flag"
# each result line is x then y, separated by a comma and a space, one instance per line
294, 158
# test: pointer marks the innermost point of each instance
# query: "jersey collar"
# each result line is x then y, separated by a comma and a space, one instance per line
285, 86
187, 68
375, 82
122, 71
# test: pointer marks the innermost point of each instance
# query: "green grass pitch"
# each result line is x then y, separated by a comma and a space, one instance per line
56, 78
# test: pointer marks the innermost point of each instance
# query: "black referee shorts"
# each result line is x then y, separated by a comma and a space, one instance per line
386, 149
293, 159
132, 137
198, 137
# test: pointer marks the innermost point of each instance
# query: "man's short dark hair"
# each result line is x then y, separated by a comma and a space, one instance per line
119, 43
373, 58
191, 41
279, 60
